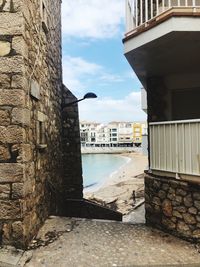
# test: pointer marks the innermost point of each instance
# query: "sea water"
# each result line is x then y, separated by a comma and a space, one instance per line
97, 168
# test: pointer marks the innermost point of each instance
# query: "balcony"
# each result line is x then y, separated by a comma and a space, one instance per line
162, 37
175, 149
143, 14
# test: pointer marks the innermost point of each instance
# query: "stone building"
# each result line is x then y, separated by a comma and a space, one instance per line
162, 46
39, 144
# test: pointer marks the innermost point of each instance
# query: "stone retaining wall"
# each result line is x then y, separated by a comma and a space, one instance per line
173, 205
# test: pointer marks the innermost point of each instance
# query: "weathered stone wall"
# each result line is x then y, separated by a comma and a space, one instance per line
173, 205
15, 151
31, 169
72, 167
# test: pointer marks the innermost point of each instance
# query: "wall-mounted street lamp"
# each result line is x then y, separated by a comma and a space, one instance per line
86, 96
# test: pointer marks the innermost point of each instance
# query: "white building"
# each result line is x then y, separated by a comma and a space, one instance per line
112, 134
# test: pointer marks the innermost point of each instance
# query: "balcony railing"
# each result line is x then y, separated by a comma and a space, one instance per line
175, 147
139, 12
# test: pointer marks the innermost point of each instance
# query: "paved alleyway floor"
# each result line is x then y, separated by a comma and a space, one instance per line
64, 242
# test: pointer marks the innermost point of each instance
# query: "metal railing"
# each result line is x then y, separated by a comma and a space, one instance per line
175, 147
139, 12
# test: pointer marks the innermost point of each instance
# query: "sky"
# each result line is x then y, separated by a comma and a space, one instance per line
93, 61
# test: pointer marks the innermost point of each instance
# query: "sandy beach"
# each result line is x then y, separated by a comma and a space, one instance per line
125, 188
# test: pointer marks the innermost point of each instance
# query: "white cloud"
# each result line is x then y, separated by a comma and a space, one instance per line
76, 68
127, 109
107, 77
78, 73
92, 18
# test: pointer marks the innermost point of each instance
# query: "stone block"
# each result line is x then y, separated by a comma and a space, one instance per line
10, 210
165, 187
10, 5
193, 210
181, 192
6, 232
11, 64
12, 97
162, 194
196, 195
21, 116
5, 48
19, 46
197, 204
182, 227
156, 201
189, 219
167, 208
11, 172
177, 214
19, 81
12, 134
180, 209
35, 89
5, 80
17, 230
17, 191
24, 152
188, 201
4, 153
41, 116
196, 233
11, 23
4, 118
168, 223
5, 191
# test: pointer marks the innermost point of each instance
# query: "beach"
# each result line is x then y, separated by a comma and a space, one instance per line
125, 188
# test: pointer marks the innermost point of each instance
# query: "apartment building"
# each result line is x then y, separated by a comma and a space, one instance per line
139, 130
111, 134
162, 46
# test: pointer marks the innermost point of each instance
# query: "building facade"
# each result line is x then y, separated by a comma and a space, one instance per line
139, 130
161, 44
111, 134
34, 171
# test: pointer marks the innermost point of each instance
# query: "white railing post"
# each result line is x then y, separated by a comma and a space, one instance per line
129, 17
146, 10
136, 12
157, 7
141, 12
151, 9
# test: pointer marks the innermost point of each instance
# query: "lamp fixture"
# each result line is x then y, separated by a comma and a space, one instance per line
86, 96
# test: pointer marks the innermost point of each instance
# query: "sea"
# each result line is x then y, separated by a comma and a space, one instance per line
97, 168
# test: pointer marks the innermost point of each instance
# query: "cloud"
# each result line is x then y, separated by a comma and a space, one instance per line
126, 109
107, 77
96, 19
75, 69
79, 74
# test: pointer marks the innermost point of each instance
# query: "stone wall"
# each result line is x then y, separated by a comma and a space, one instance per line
173, 205
31, 91
72, 166
15, 150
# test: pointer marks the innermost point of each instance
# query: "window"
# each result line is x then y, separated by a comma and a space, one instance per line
44, 16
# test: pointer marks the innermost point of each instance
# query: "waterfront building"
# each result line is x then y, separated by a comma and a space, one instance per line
139, 130
162, 46
125, 135
111, 134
